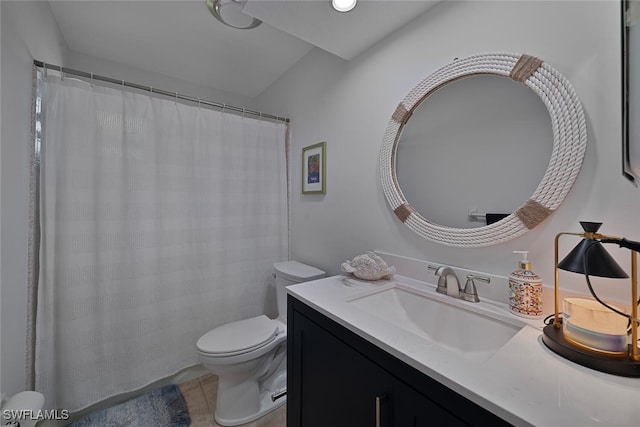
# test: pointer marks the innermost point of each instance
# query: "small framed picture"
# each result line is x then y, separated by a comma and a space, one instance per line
314, 166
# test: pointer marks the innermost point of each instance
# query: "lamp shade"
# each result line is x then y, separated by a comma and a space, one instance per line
598, 261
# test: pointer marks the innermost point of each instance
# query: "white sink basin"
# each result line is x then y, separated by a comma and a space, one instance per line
456, 325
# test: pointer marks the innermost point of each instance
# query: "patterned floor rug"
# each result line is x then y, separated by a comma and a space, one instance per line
161, 407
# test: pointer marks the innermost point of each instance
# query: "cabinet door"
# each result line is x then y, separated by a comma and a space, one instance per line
413, 409
333, 384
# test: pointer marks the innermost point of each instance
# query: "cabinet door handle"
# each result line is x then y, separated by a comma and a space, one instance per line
379, 400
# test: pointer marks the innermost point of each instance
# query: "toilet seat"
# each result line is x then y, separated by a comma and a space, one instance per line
235, 338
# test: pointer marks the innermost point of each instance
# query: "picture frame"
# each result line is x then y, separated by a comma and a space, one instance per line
314, 169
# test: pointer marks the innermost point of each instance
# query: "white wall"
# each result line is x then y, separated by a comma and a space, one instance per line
349, 104
1, 393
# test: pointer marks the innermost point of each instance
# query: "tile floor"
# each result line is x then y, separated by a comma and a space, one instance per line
200, 395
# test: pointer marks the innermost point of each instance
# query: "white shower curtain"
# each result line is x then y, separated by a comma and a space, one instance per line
159, 221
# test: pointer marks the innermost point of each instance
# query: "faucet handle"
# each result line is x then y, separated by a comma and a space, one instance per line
440, 270
470, 293
481, 278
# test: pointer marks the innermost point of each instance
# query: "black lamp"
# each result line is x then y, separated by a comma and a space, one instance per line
593, 333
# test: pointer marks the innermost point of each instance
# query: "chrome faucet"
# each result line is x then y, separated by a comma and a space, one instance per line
445, 275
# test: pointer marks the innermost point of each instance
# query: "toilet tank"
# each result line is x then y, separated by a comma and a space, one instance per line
289, 273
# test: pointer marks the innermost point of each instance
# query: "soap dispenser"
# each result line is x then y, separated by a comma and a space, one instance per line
525, 290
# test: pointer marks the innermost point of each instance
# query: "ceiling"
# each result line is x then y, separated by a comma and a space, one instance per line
181, 39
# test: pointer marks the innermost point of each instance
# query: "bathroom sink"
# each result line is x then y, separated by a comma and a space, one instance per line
458, 326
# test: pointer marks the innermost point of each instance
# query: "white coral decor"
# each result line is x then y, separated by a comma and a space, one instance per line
368, 266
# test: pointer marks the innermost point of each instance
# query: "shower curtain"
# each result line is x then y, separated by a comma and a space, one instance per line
159, 221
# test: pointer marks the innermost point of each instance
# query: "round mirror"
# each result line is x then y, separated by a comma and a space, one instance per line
468, 184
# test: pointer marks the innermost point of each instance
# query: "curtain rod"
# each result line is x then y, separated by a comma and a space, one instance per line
92, 76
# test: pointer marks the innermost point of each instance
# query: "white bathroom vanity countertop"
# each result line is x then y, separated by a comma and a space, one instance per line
523, 382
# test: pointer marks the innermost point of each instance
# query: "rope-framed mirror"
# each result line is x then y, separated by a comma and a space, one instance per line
569, 145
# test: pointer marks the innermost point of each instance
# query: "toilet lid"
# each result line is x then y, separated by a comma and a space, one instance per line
240, 336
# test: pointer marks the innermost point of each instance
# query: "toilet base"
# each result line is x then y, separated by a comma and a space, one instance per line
267, 405
242, 401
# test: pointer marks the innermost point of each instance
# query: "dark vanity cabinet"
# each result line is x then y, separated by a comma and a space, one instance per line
335, 378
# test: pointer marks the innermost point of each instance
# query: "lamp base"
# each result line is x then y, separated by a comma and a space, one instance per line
624, 366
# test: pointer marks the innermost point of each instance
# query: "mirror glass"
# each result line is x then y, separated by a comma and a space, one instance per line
477, 145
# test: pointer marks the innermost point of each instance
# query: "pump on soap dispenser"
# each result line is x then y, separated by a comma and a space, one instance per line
525, 289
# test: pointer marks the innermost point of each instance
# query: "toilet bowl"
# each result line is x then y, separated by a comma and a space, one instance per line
22, 409
249, 356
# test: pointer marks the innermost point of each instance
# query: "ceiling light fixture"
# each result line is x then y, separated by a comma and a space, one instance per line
343, 5
230, 13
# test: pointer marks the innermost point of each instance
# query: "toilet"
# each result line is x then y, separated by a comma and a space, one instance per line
250, 356
25, 406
